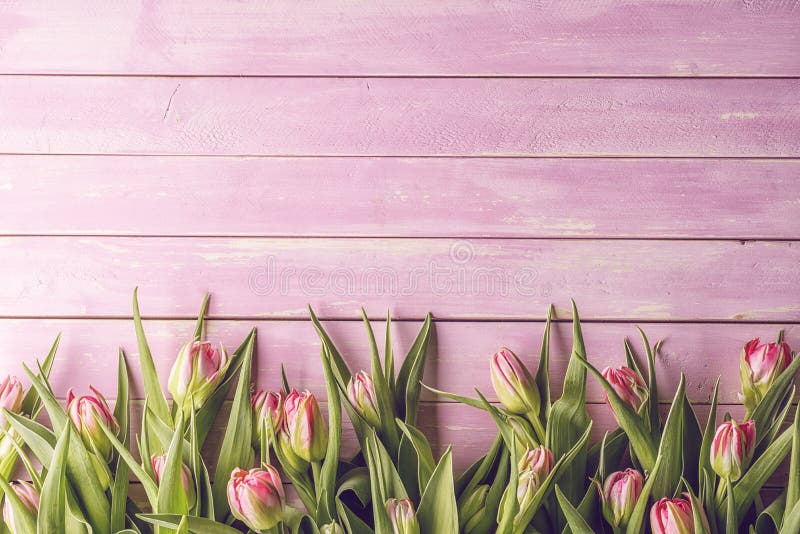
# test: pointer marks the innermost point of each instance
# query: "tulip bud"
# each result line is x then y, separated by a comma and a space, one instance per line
256, 497
759, 367
472, 509
87, 414
533, 469
196, 373
305, 426
361, 392
331, 528
513, 384
732, 448
674, 516
290, 459
628, 385
267, 405
27, 494
619, 494
402, 516
11, 396
187, 480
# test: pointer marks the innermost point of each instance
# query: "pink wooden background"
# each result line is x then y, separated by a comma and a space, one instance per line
477, 160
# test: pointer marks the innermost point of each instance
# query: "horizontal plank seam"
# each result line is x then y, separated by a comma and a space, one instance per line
358, 76
737, 157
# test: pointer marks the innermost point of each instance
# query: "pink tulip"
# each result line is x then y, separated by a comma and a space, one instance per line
620, 492
11, 396
29, 497
267, 406
628, 385
256, 497
85, 412
534, 467
513, 384
732, 448
674, 516
305, 426
361, 392
402, 516
760, 366
187, 480
196, 373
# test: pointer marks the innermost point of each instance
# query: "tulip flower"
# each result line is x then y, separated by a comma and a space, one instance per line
87, 414
256, 497
759, 367
305, 426
674, 516
267, 405
331, 528
11, 396
29, 497
628, 385
196, 373
290, 460
532, 470
619, 494
361, 392
732, 448
402, 516
513, 384
187, 480
472, 509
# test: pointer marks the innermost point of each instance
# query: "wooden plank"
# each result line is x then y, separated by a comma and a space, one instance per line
396, 117
609, 37
417, 197
453, 279
88, 351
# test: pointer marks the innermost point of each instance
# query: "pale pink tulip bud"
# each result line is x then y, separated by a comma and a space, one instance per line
187, 480
331, 528
534, 467
87, 413
267, 406
620, 492
402, 516
196, 373
361, 392
256, 497
732, 448
305, 426
628, 385
27, 494
759, 367
11, 395
674, 516
513, 384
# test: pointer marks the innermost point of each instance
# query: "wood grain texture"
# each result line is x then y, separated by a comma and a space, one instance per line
455, 279
88, 351
403, 197
396, 117
608, 37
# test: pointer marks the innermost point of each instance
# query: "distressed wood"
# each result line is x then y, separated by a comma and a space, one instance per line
455, 279
504, 197
395, 117
609, 37
88, 350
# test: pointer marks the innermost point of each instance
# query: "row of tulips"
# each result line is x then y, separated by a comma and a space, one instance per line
541, 474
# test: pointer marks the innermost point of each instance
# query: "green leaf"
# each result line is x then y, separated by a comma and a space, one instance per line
765, 412
201, 318
692, 442
388, 430
409, 377
119, 490
793, 484
437, 510
30, 403
236, 449
26, 520
671, 448
424, 454
197, 525
652, 386
469, 401
385, 482
704, 461
330, 465
388, 355
791, 521
543, 371
52, 509
171, 495
574, 519
152, 385
509, 507
148, 484
636, 522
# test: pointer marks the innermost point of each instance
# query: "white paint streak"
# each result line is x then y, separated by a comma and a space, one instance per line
738, 115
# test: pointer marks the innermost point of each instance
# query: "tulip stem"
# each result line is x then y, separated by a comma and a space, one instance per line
316, 471
537, 426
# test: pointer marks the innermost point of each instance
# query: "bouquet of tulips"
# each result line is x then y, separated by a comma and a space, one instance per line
279, 468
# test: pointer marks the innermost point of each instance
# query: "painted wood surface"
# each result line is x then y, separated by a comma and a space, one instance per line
414, 197
397, 117
602, 38
453, 279
88, 351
